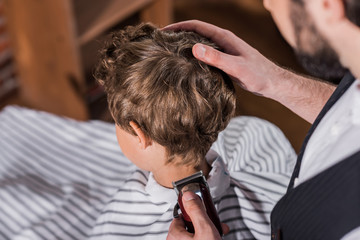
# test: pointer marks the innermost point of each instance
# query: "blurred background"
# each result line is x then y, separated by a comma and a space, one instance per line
48, 50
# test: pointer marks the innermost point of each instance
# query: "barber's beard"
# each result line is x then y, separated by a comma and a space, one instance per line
322, 64
323, 61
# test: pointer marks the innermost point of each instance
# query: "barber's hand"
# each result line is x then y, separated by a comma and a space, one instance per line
255, 73
243, 63
204, 228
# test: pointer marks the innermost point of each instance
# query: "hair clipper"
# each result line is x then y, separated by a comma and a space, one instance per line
197, 184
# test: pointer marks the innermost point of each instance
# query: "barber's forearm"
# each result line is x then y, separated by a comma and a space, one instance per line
304, 96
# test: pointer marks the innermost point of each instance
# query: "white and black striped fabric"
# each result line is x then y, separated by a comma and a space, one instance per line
63, 179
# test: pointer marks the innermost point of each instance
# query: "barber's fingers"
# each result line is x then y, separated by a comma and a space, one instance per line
222, 37
177, 230
204, 228
206, 29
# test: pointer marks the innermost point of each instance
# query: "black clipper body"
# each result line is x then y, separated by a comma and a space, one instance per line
197, 184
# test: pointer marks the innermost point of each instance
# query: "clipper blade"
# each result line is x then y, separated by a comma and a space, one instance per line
195, 178
196, 183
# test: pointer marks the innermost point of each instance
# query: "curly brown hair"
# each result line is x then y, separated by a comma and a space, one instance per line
151, 77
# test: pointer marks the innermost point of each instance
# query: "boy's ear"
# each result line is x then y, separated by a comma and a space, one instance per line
144, 141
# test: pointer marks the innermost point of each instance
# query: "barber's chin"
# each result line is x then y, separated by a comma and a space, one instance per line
324, 66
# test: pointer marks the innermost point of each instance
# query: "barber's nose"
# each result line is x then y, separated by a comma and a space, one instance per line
266, 4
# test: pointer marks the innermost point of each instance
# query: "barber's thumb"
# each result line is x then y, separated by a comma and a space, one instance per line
209, 55
205, 53
197, 213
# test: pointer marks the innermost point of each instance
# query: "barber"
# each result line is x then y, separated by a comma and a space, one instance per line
323, 197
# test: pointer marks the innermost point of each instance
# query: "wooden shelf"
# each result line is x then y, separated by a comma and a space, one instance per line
46, 56
48, 37
102, 15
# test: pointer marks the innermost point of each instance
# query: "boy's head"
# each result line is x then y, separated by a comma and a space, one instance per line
153, 81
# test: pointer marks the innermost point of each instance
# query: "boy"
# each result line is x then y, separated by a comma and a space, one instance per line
169, 109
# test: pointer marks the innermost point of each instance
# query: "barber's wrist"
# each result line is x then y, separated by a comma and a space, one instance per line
278, 81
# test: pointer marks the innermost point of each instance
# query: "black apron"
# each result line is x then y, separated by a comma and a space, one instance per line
326, 206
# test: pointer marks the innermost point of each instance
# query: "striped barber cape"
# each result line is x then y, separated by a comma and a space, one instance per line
63, 179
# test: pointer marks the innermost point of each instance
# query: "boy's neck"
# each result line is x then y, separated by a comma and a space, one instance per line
174, 172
